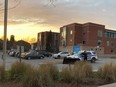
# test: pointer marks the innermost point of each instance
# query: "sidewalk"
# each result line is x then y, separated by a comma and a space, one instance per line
109, 85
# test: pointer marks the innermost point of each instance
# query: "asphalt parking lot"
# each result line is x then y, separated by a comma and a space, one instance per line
58, 62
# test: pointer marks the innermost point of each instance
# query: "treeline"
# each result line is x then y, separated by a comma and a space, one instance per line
12, 44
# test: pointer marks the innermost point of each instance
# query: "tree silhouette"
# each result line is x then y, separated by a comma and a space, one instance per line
12, 41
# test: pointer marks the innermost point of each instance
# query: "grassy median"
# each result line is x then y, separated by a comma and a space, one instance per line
48, 75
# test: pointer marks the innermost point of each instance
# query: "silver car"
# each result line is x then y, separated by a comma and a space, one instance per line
61, 55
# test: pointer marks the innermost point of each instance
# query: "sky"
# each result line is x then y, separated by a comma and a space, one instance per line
30, 17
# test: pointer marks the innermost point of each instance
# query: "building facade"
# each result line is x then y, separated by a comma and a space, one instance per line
88, 36
43, 38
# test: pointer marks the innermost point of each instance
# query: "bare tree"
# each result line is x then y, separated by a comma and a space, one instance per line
17, 2
52, 2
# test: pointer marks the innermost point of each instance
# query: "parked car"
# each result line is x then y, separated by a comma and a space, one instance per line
61, 55
12, 52
23, 54
46, 54
17, 54
91, 56
32, 55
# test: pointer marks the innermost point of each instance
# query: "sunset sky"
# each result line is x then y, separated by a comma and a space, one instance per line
33, 16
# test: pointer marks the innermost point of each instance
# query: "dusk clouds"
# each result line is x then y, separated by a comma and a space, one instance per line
60, 12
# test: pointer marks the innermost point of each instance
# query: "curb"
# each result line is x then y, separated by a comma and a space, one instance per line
109, 85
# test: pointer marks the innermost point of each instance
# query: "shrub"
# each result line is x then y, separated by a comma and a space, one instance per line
66, 75
48, 74
50, 69
81, 71
2, 73
106, 72
31, 78
44, 76
78, 73
18, 70
114, 69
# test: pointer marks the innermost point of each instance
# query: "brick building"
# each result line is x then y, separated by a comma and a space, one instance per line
42, 40
88, 36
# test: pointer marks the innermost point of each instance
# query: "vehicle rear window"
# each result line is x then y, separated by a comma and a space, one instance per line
65, 53
93, 52
88, 53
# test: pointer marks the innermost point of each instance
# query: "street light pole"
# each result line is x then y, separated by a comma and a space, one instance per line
5, 31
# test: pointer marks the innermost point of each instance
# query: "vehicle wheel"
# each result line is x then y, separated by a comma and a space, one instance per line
58, 56
41, 57
29, 58
93, 60
50, 55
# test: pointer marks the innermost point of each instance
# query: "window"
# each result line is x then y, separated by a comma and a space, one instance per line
99, 42
108, 43
64, 53
112, 51
100, 33
108, 34
84, 42
111, 35
91, 48
93, 52
63, 43
105, 34
112, 44
71, 41
71, 32
64, 36
100, 49
115, 35
88, 53
84, 33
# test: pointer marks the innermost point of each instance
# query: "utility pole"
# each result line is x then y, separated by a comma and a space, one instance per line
5, 31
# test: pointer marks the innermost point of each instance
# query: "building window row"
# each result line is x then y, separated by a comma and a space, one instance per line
110, 35
99, 42
107, 34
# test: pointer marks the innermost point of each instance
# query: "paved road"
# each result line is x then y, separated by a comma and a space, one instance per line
58, 62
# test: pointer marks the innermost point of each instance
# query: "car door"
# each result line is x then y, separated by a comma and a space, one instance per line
82, 56
38, 55
34, 56
65, 54
88, 55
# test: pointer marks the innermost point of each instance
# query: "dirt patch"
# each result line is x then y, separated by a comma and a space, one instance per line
11, 84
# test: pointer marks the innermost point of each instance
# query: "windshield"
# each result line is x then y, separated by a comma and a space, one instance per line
76, 54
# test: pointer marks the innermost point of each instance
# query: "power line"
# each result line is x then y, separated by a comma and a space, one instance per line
17, 1
51, 2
